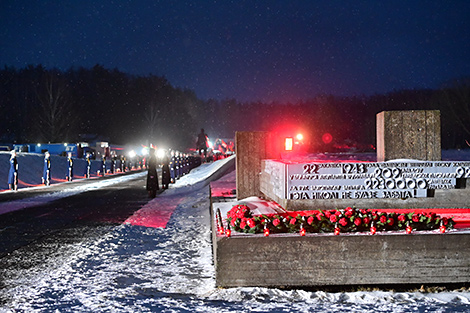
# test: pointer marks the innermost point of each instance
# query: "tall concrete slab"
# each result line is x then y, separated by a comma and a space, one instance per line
414, 134
251, 148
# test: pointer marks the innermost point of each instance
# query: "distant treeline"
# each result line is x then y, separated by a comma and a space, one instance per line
49, 105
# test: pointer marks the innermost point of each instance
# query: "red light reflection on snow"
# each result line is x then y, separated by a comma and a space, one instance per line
155, 213
25, 184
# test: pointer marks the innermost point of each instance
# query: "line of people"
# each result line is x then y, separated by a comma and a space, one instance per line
124, 166
174, 165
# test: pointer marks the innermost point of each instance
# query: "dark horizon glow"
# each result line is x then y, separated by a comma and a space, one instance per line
248, 50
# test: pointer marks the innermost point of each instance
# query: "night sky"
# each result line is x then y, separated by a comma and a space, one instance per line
248, 50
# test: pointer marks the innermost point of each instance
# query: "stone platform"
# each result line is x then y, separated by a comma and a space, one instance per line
359, 259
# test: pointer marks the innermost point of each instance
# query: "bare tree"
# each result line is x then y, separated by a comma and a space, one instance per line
54, 107
152, 116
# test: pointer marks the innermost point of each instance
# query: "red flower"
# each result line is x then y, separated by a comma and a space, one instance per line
383, 219
349, 212
364, 211
310, 220
319, 216
333, 218
445, 221
251, 222
276, 222
357, 221
391, 222
338, 213
366, 220
292, 221
343, 221
243, 223
415, 218
327, 214
401, 217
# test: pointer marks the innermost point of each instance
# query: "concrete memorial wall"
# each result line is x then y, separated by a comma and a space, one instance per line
418, 180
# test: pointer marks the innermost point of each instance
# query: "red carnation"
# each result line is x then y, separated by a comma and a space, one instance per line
343, 221
338, 213
415, 218
391, 222
357, 221
349, 212
383, 219
401, 217
243, 223
333, 218
366, 220
292, 221
327, 214
310, 220
276, 222
251, 222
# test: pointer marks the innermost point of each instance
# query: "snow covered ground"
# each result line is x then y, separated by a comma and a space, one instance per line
136, 268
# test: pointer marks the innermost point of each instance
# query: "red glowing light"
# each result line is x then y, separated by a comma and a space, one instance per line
408, 229
302, 231
299, 137
289, 143
327, 138
266, 232
337, 231
228, 233
221, 230
442, 229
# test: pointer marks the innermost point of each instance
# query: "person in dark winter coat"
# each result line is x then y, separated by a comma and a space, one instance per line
13, 173
172, 166
103, 165
166, 178
46, 172
113, 164
201, 143
152, 177
69, 176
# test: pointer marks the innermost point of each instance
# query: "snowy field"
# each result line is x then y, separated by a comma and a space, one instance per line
148, 269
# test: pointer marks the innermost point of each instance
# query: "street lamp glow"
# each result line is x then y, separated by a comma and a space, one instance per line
160, 153
132, 154
300, 137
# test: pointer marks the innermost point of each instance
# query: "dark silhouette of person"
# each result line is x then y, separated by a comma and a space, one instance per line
70, 167
152, 178
46, 172
13, 173
201, 143
88, 165
166, 178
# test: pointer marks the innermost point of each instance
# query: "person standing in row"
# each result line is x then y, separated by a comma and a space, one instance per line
13, 173
201, 144
88, 165
69, 176
46, 172
152, 177
103, 165
165, 171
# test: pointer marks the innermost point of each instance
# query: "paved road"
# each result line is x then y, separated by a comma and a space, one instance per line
63, 219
